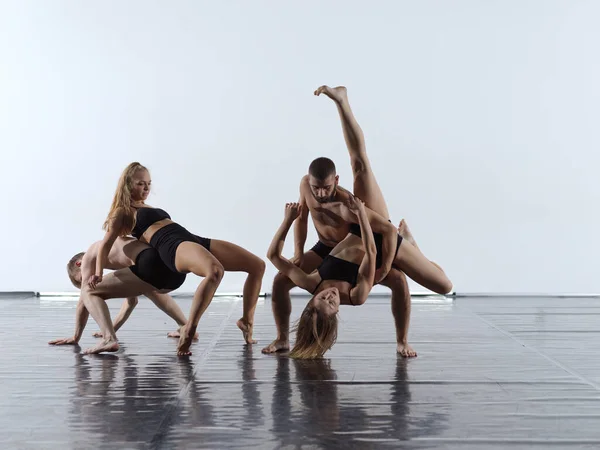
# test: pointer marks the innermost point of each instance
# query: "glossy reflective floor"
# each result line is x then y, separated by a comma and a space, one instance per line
491, 374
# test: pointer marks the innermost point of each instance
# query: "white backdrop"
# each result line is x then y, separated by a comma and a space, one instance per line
481, 121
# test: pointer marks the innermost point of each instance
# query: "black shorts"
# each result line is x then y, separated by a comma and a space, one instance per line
150, 268
321, 249
355, 229
167, 239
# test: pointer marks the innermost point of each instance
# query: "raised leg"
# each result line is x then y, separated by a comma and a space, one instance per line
365, 185
416, 266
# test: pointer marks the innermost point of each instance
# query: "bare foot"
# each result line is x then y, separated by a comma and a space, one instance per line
97, 334
104, 346
177, 334
404, 231
406, 350
185, 341
277, 345
65, 341
246, 331
337, 94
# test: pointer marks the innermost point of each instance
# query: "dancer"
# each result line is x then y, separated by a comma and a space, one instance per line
180, 250
122, 255
319, 194
344, 276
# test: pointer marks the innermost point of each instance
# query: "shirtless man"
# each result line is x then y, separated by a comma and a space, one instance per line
321, 195
123, 255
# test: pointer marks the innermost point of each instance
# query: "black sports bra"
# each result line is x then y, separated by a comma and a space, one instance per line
333, 268
145, 217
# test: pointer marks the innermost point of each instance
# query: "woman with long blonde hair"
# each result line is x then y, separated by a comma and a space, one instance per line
180, 250
346, 276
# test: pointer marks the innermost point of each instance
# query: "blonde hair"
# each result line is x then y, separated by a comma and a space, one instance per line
121, 203
316, 332
73, 269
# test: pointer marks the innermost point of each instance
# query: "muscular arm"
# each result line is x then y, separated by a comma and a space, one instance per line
301, 225
81, 318
285, 266
366, 271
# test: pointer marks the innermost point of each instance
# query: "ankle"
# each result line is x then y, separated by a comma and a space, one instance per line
246, 321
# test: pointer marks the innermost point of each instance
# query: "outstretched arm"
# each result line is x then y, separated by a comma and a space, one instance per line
300, 228
82, 315
285, 266
81, 318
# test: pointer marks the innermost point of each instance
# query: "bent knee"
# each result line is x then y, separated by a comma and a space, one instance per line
282, 282
258, 267
449, 287
215, 273
445, 287
96, 292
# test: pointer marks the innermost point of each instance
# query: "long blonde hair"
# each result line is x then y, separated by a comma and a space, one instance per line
316, 333
121, 203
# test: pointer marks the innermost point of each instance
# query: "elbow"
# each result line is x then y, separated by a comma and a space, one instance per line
271, 254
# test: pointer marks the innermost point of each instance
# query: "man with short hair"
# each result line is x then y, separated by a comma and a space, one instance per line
122, 255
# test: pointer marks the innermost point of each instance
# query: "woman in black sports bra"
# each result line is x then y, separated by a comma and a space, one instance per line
180, 250
346, 276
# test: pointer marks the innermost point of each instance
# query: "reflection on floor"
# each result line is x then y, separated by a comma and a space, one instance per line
491, 373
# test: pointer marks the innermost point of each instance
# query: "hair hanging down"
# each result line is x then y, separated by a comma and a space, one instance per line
122, 200
315, 333
321, 168
73, 268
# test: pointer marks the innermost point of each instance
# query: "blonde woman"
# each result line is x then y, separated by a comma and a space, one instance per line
347, 274
180, 250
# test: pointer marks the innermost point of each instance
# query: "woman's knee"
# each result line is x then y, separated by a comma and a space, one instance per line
446, 286
443, 286
215, 272
256, 266
282, 283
